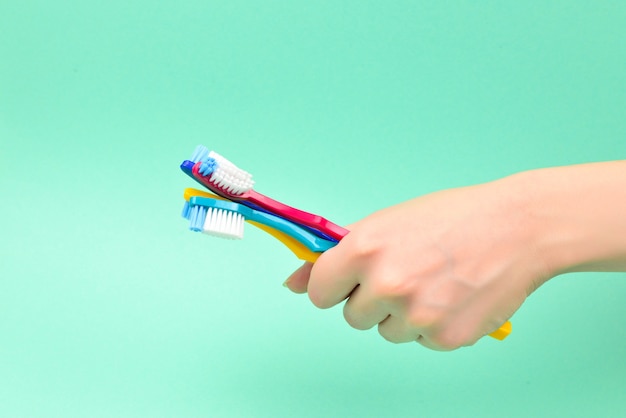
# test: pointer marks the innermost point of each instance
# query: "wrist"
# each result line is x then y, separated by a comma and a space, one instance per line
575, 215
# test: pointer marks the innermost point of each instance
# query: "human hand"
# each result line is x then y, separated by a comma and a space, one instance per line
443, 270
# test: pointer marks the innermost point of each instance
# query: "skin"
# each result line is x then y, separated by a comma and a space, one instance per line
447, 268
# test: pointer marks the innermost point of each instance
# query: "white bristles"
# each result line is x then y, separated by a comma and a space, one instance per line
223, 223
230, 177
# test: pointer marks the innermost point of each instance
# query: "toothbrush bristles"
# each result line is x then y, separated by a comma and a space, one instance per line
223, 223
224, 174
213, 221
186, 210
201, 152
197, 215
228, 176
208, 166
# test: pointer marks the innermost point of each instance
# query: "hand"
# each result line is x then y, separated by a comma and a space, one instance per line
443, 270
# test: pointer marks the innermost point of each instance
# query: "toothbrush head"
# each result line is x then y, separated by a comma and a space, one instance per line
226, 174
307, 250
217, 222
217, 173
200, 156
214, 215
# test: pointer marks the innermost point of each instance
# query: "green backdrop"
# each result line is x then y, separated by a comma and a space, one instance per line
109, 307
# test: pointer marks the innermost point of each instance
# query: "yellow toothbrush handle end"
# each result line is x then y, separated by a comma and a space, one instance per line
502, 332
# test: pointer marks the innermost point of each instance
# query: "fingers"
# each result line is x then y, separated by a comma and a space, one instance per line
362, 311
299, 279
333, 277
396, 330
365, 309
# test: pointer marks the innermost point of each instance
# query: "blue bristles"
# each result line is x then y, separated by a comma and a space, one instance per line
207, 167
186, 210
200, 153
197, 216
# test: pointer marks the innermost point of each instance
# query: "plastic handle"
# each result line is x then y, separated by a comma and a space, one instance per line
300, 250
296, 215
502, 332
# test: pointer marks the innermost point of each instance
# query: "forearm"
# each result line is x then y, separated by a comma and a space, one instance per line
577, 214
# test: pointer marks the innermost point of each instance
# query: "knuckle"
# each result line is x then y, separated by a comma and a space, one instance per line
422, 318
318, 290
390, 337
445, 344
317, 299
362, 243
354, 321
449, 340
389, 287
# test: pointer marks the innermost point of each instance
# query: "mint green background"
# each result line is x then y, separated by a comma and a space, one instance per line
109, 307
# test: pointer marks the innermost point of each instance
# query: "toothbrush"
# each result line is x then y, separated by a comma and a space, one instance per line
216, 216
222, 177
211, 216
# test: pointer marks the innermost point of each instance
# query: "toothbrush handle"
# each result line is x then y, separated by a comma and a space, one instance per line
297, 247
502, 332
296, 215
